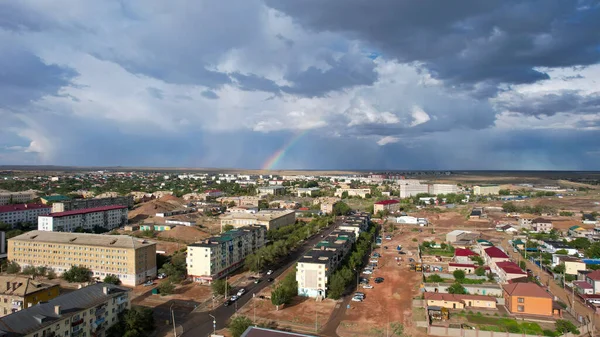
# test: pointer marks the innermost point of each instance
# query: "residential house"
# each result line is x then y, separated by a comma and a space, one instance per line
525, 220
493, 255
507, 270
386, 205
272, 190
572, 264
353, 192
554, 246
23, 213
473, 289
463, 255
579, 232
541, 225
468, 268
455, 301
589, 219
593, 279
308, 192
528, 299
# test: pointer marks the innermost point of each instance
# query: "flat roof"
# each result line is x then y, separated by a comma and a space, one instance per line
22, 207
55, 198
85, 211
84, 239
314, 256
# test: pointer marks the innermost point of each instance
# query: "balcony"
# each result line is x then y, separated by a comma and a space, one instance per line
77, 322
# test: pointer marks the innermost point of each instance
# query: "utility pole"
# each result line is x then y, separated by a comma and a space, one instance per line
173, 318
316, 320
214, 324
254, 305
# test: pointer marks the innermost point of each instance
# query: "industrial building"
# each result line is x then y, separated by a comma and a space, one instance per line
131, 259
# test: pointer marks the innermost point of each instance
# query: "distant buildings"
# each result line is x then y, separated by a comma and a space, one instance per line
244, 201
309, 192
131, 259
386, 205
212, 194
436, 189
411, 190
70, 205
272, 219
88, 311
21, 292
486, 190
315, 266
217, 256
107, 217
21, 213
272, 190
352, 192
16, 197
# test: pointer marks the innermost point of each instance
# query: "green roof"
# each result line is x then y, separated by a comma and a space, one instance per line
56, 198
323, 244
572, 228
518, 242
485, 241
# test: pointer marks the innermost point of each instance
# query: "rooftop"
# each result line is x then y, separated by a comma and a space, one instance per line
85, 239
85, 211
457, 298
317, 256
510, 268
464, 252
261, 215
495, 252
387, 202
55, 198
28, 320
20, 285
226, 236
526, 289
22, 207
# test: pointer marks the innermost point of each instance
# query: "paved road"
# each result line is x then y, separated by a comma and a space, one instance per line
201, 324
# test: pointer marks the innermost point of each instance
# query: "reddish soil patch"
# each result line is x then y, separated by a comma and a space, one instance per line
184, 234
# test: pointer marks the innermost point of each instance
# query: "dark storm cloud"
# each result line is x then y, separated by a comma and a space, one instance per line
551, 104
209, 94
465, 41
254, 82
15, 17
24, 77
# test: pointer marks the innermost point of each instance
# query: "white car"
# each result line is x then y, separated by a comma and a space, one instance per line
374, 261
368, 272
270, 272
367, 286
357, 299
241, 292
234, 298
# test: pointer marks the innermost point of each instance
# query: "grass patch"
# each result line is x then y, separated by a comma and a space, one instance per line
437, 252
489, 323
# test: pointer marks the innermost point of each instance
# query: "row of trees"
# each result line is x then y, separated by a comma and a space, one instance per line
285, 291
510, 207
342, 277
74, 274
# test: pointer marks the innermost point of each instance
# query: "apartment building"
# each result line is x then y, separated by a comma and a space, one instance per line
219, 255
352, 192
272, 190
16, 197
436, 189
486, 190
316, 265
309, 191
20, 292
14, 214
270, 218
410, 190
107, 217
85, 312
133, 260
386, 205
70, 205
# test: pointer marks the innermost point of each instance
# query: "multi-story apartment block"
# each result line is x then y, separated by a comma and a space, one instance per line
315, 266
273, 190
107, 217
70, 205
309, 191
244, 200
486, 190
410, 190
352, 192
219, 255
85, 312
16, 197
270, 218
436, 189
386, 205
20, 292
131, 259
14, 214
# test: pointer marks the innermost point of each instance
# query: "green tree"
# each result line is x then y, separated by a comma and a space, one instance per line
220, 287
509, 207
504, 192
12, 267
522, 264
166, 287
279, 296
564, 326
112, 279
580, 243
457, 288
341, 208
51, 274
435, 278
77, 274
490, 276
337, 284
238, 325
480, 271
560, 269
136, 322
593, 251
459, 275
345, 195
228, 228
562, 252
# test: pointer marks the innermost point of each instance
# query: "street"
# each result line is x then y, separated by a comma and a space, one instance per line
201, 324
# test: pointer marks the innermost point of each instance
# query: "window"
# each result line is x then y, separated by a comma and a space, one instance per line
520, 300
520, 308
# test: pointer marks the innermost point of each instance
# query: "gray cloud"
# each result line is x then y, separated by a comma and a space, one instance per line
209, 94
567, 101
466, 41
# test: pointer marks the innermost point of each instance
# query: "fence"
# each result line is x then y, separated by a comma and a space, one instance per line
456, 332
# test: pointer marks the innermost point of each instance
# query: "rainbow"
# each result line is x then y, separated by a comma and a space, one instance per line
276, 157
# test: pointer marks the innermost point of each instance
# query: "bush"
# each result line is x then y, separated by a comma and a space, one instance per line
238, 325
112, 279
12, 267
50, 274
166, 288
435, 278
564, 326
480, 271
459, 275
220, 287
77, 274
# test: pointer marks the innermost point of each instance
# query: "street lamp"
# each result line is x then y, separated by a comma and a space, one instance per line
173, 318
214, 324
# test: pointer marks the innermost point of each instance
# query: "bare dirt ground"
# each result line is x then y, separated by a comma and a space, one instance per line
184, 234
149, 209
390, 301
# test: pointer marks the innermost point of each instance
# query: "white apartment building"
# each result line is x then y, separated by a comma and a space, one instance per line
486, 190
108, 217
436, 189
353, 192
273, 190
407, 191
14, 214
217, 256
310, 191
16, 197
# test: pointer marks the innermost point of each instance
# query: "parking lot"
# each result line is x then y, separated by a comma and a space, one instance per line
391, 300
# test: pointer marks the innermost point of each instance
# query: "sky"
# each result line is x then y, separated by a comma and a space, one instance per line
312, 84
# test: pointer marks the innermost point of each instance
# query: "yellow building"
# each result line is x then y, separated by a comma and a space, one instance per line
272, 219
20, 292
85, 312
131, 259
486, 190
453, 301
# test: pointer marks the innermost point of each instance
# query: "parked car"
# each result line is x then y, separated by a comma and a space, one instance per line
364, 280
148, 284
357, 299
367, 271
367, 286
241, 292
227, 303
270, 272
234, 298
374, 260
379, 279
256, 281
162, 275
269, 280
387, 237
358, 293
376, 255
